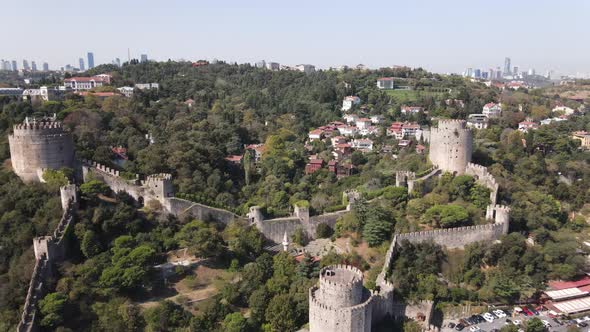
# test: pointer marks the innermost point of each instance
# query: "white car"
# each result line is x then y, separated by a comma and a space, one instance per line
516, 322
500, 313
474, 329
546, 323
586, 318
488, 317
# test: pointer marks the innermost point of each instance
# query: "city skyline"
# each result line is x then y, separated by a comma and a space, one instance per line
416, 34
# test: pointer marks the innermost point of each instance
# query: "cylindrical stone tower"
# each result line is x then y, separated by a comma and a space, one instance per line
36, 146
451, 145
340, 303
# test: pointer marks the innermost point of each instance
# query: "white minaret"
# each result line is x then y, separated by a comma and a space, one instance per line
285, 242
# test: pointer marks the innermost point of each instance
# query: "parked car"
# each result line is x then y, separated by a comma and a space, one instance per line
516, 322
527, 311
488, 317
451, 325
480, 319
582, 324
533, 310
586, 318
579, 320
558, 321
464, 322
546, 323
508, 321
459, 327
474, 329
499, 313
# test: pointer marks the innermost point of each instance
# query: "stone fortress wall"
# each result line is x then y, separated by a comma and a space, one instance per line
48, 250
450, 151
451, 146
36, 146
484, 178
340, 303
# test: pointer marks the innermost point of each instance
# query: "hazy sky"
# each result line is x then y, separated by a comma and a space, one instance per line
441, 35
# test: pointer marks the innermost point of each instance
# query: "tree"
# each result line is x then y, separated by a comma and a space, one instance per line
52, 309
281, 314
202, 240
166, 316
323, 231
446, 216
235, 322
535, 325
90, 245
376, 231
129, 266
93, 188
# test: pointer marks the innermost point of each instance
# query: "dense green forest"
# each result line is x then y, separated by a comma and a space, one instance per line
110, 283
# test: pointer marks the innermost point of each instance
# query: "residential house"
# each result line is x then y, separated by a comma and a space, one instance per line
147, 86
525, 126
349, 102
363, 144
316, 134
583, 137
377, 119
258, 149
85, 83
313, 166
404, 143
555, 119
477, 121
127, 91
564, 110
407, 110
340, 170
335, 140
234, 159
348, 130
363, 123
385, 83
492, 110
189, 103
342, 150
350, 118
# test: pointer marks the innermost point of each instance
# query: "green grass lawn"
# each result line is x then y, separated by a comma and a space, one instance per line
411, 95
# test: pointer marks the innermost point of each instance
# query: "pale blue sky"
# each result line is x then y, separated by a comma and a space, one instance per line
435, 34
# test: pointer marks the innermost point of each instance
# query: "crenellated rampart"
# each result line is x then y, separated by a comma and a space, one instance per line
485, 178
48, 250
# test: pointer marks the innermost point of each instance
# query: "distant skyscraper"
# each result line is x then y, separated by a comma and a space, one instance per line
507, 66
69, 67
144, 58
26, 65
90, 60
492, 74
33, 66
477, 73
82, 64
531, 72
14, 67
45, 66
498, 73
515, 71
118, 61
5, 64
469, 72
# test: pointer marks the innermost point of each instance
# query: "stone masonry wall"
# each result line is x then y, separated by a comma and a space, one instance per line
485, 178
451, 146
48, 250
